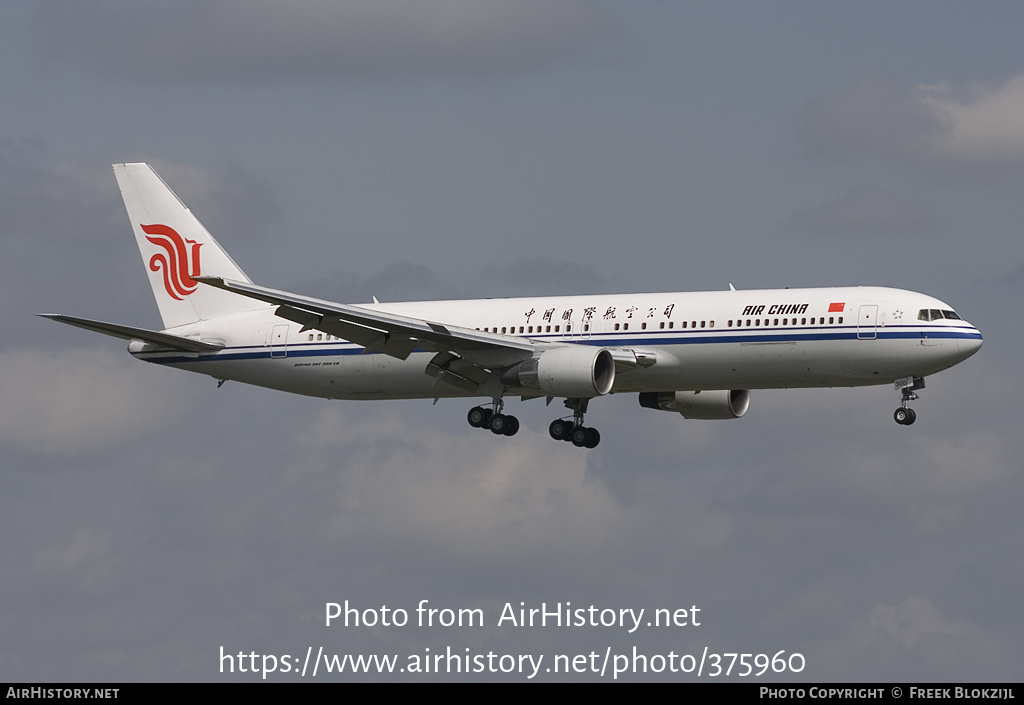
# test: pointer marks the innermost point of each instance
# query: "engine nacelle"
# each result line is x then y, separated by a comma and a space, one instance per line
571, 371
705, 404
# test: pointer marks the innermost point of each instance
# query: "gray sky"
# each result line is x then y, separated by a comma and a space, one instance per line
418, 149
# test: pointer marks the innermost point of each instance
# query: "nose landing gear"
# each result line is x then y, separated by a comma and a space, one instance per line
904, 415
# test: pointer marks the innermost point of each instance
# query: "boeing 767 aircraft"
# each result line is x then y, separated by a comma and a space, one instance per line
695, 353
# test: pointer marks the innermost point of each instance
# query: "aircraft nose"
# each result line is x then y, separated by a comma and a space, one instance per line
970, 344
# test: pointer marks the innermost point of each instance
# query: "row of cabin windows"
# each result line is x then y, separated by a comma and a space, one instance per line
671, 324
512, 330
529, 329
786, 322
756, 322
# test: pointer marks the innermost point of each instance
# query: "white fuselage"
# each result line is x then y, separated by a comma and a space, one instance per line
755, 339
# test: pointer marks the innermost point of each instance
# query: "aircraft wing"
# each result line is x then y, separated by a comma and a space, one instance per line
378, 331
165, 340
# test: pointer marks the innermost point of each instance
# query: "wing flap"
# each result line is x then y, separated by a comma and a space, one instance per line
372, 339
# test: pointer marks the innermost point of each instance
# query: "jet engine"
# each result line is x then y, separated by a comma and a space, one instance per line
705, 404
570, 371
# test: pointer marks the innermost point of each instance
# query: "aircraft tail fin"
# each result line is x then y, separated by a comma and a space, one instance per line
175, 248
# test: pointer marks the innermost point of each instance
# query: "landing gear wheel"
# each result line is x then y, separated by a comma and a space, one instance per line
904, 416
579, 436
477, 417
592, 438
560, 429
498, 424
511, 426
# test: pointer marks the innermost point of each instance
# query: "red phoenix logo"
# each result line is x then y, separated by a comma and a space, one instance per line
179, 262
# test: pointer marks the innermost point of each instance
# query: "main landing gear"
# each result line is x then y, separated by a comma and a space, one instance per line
904, 415
575, 431
560, 429
500, 424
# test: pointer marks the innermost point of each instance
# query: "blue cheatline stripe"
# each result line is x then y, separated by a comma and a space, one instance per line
607, 339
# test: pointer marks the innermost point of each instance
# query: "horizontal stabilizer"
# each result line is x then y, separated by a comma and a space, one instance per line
166, 340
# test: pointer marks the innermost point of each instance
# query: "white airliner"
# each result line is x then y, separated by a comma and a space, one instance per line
695, 353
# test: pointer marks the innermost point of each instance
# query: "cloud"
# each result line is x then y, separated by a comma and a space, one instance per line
978, 128
270, 40
540, 276
399, 280
78, 204
85, 559
867, 210
65, 403
479, 498
65, 230
229, 200
911, 620
39, 194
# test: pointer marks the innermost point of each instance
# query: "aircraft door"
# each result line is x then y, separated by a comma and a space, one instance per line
279, 341
867, 321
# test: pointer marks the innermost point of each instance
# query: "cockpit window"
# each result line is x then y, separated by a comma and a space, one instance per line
934, 314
